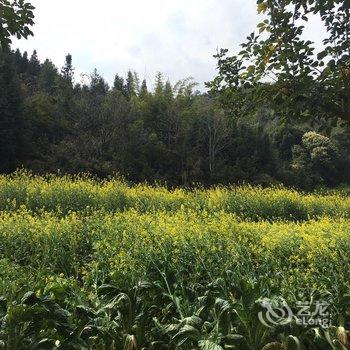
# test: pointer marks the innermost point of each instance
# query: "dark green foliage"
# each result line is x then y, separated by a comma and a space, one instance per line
16, 18
171, 134
36, 323
67, 71
47, 77
98, 86
250, 128
161, 314
119, 84
33, 71
143, 89
131, 84
11, 114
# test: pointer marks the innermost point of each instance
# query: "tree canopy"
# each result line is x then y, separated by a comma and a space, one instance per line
16, 18
279, 67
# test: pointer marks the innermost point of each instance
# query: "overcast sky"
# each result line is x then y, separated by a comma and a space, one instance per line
176, 37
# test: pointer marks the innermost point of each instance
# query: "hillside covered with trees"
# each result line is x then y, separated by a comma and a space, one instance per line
282, 118
171, 134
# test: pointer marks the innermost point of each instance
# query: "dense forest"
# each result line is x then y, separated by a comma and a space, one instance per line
277, 112
171, 134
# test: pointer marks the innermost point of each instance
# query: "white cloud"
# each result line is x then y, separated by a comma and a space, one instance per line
177, 38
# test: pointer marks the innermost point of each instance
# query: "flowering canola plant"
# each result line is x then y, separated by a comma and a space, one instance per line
162, 255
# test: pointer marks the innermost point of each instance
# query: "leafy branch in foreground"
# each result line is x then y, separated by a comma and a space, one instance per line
279, 68
16, 18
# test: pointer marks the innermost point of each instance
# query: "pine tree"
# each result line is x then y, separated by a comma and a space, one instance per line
33, 70
65, 95
48, 77
119, 84
17, 59
21, 63
136, 83
11, 114
143, 90
24, 63
67, 70
168, 91
130, 84
159, 84
98, 84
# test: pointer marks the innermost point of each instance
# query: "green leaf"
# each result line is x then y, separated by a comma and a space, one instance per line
185, 333
29, 298
209, 345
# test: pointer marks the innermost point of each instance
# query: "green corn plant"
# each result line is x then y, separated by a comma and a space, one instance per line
208, 328
37, 323
206, 324
120, 320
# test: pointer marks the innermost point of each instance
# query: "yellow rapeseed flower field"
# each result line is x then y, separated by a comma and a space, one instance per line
70, 239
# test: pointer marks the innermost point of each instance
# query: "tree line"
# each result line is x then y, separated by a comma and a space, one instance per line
171, 134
